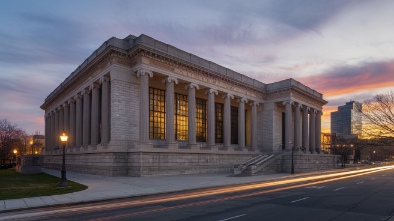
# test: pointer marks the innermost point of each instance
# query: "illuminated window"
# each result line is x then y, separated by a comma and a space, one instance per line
157, 114
219, 123
234, 125
181, 119
201, 120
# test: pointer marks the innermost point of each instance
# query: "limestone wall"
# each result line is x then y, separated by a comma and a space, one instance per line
147, 163
309, 162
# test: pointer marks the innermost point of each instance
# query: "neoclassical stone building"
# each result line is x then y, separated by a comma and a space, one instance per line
138, 106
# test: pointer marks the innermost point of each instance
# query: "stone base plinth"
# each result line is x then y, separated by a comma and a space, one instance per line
140, 163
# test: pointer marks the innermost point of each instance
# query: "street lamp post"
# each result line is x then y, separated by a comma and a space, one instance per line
63, 180
31, 146
292, 158
15, 152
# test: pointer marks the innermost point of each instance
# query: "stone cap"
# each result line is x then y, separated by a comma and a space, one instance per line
289, 83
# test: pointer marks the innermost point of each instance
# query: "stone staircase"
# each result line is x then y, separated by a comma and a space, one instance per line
252, 166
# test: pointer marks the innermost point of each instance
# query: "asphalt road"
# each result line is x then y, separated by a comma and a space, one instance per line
358, 195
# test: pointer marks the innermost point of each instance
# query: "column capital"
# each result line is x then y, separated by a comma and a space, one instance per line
86, 91
94, 85
242, 100
289, 101
104, 79
71, 100
77, 96
254, 103
210, 91
65, 104
143, 71
169, 80
298, 104
229, 96
192, 85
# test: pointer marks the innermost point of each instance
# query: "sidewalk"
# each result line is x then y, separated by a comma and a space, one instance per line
106, 187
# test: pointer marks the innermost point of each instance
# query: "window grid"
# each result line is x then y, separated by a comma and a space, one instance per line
234, 125
219, 123
201, 120
181, 117
157, 114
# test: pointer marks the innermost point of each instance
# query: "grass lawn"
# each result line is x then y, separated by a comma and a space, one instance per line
14, 185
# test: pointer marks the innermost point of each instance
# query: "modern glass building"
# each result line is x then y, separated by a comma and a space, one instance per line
347, 120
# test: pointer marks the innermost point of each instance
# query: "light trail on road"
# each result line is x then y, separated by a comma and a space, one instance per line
298, 182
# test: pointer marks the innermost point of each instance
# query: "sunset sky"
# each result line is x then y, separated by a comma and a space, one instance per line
343, 49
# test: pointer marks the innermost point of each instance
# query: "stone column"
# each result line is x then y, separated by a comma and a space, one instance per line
297, 126
66, 122
288, 127
56, 137
318, 131
254, 125
46, 131
86, 117
305, 129
312, 131
191, 124
52, 140
227, 120
241, 123
72, 137
78, 120
48, 135
94, 138
170, 112
105, 114
211, 117
144, 104
61, 120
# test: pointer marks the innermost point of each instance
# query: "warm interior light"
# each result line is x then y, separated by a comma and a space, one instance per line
63, 137
15, 151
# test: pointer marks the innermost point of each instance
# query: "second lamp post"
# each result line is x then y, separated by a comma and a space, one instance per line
63, 180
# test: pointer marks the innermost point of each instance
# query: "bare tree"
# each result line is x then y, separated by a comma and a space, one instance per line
11, 137
378, 116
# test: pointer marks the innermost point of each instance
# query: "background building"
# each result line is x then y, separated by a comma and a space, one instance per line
347, 121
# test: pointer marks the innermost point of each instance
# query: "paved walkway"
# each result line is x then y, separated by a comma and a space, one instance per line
105, 187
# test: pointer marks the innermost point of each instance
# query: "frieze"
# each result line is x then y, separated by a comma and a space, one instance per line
199, 75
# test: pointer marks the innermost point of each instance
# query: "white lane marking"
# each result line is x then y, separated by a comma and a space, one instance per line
233, 217
339, 188
383, 175
360, 182
299, 200
372, 178
315, 187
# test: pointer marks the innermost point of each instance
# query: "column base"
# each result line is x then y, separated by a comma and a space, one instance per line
193, 146
223, 148
212, 147
171, 146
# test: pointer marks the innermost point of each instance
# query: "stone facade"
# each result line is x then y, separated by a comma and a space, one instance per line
107, 107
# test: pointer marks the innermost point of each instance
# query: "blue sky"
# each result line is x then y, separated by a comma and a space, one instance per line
343, 49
